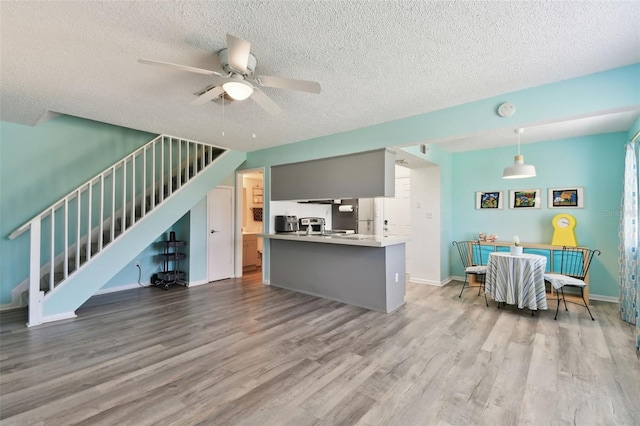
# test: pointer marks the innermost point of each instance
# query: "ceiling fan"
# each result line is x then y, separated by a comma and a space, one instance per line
233, 74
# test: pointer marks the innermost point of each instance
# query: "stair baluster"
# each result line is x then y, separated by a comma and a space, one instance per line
126, 191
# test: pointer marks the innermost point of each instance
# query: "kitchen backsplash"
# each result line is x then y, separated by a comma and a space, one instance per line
293, 208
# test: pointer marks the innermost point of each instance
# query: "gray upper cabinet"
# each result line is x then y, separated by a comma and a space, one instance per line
362, 175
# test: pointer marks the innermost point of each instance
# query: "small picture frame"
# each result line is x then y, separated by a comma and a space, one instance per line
490, 200
521, 199
568, 197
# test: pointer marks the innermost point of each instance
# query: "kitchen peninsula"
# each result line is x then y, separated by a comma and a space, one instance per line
361, 270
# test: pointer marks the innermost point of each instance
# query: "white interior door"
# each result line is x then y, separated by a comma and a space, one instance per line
397, 210
220, 234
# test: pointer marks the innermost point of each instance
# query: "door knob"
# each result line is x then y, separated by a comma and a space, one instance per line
213, 231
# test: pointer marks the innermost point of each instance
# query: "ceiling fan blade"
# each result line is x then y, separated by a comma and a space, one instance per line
238, 53
289, 83
208, 96
265, 102
217, 66
177, 66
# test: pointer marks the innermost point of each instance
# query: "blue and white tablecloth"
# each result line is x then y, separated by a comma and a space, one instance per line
517, 280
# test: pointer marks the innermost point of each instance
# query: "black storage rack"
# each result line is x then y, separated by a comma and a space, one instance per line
170, 259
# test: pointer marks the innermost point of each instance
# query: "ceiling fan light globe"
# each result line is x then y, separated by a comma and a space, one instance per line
238, 90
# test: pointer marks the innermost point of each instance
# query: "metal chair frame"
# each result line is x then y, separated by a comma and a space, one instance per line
575, 263
470, 252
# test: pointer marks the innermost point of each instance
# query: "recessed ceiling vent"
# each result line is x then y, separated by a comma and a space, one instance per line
227, 99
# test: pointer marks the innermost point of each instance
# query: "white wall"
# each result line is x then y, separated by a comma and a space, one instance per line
425, 226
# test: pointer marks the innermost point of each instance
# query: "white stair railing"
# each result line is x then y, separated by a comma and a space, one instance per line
80, 225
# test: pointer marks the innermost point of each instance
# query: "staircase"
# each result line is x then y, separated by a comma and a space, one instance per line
78, 242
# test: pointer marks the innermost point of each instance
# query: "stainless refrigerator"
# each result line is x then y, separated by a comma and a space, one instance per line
353, 214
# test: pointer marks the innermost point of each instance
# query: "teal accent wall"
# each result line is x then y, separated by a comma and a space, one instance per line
229, 180
609, 90
38, 166
41, 164
149, 265
592, 162
197, 261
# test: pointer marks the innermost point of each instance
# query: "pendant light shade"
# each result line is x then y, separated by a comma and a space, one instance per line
238, 89
519, 170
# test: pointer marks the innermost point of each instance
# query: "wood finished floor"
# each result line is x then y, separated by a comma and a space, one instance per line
236, 352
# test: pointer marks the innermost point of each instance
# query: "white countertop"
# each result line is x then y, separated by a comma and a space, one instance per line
362, 240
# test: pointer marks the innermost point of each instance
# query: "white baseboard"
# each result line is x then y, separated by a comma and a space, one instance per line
11, 306
427, 282
448, 280
601, 298
56, 317
455, 278
120, 288
16, 295
442, 283
197, 283
59, 317
15, 305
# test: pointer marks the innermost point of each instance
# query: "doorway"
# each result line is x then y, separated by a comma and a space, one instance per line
251, 209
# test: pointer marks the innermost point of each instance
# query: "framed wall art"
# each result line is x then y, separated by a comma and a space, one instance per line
571, 197
489, 200
525, 199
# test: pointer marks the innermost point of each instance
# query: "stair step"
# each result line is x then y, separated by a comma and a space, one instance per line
128, 222
44, 281
71, 265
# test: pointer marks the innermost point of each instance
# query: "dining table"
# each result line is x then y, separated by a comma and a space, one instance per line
517, 279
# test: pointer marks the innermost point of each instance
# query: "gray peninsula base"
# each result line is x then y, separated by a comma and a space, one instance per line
371, 277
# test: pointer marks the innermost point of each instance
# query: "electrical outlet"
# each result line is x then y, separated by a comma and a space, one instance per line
396, 277
138, 263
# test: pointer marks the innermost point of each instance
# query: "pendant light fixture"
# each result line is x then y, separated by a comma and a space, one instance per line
519, 170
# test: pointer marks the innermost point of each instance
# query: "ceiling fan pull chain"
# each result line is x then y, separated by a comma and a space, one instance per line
223, 95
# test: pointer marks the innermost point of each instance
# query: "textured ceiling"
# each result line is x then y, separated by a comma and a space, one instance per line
377, 61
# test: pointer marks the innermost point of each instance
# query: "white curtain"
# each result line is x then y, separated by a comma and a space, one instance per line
628, 272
